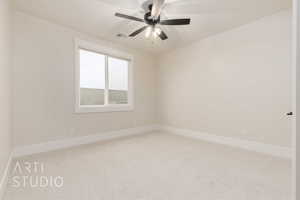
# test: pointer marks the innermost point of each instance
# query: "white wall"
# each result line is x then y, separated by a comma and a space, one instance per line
44, 86
234, 84
5, 85
296, 63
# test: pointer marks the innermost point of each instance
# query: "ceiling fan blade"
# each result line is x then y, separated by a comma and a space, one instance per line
138, 31
129, 17
163, 35
156, 8
175, 22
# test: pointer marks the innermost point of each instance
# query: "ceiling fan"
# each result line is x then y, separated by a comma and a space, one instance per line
152, 18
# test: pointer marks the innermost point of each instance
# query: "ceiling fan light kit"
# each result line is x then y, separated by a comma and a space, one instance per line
152, 18
157, 31
148, 31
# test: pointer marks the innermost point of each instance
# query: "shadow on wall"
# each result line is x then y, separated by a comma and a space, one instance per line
90, 96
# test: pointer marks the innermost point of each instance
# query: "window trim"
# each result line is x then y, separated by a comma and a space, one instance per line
107, 51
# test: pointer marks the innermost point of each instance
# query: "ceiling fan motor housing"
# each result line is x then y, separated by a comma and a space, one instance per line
148, 19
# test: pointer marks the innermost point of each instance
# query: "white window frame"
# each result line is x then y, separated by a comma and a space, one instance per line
94, 47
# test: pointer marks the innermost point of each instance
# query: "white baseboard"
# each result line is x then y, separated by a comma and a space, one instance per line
72, 142
4, 178
273, 150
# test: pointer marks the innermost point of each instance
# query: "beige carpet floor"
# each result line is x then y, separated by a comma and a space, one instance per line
155, 166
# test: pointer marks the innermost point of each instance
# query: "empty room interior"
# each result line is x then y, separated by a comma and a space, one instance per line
146, 99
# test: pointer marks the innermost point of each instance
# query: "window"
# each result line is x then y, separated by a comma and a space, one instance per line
103, 79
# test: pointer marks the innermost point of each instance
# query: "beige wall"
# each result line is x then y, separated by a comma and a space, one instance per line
235, 84
296, 138
5, 84
44, 86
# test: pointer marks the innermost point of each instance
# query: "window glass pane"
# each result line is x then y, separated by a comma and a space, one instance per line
92, 78
118, 81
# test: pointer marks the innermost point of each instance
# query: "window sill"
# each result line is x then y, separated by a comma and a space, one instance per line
103, 109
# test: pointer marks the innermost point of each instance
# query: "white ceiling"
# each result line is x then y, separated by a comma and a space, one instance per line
96, 17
